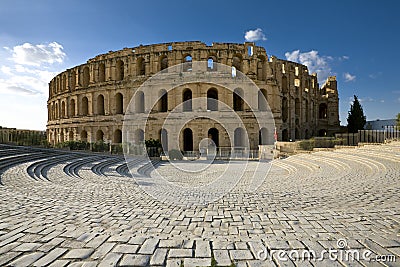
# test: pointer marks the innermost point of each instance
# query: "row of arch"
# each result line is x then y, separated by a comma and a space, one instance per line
57, 112
322, 110
69, 79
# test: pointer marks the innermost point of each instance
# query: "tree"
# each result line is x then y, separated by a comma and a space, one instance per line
356, 118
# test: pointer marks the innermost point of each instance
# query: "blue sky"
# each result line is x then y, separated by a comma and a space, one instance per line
357, 41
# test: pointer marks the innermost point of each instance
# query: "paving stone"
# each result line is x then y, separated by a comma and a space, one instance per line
27, 260
124, 248
111, 259
222, 257
179, 253
241, 254
135, 260
82, 253
149, 246
194, 262
203, 249
50, 257
159, 257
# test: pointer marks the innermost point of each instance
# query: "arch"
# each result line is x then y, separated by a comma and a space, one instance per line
261, 68
187, 99
238, 138
72, 108
238, 103
86, 76
163, 62
285, 109
100, 105
120, 70
263, 137
164, 139
306, 134
322, 133
297, 107
72, 83
62, 136
84, 136
139, 135
64, 82
117, 136
119, 103
63, 111
307, 112
187, 139
213, 134
210, 63
71, 135
284, 84
139, 102
297, 134
262, 100
57, 113
187, 63
85, 106
99, 135
163, 101
212, 99
285, 135
140, 66
237, 62
323, 111
102, 73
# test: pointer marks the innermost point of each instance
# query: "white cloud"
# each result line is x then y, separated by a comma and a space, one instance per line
4, 88
348, 77
255, 35
343, 58
313, 61
37, 55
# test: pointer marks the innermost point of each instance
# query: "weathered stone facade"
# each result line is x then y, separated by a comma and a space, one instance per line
88, 102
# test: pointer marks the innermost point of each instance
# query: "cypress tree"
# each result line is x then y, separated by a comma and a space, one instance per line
356, 118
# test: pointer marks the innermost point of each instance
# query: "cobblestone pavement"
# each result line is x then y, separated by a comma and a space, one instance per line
64, 208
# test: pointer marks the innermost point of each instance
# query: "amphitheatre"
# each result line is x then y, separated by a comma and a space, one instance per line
231, 200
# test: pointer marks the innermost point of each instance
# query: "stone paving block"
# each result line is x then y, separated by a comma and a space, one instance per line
102, 250
240, 254
82, 253
170, 243
149, 246
197, 262
174, 263
7, 257
50, 257
26, 247
180, 253
125, 249
27, 260
111, 259
159, 257
134, 260
222, 257
203, 249
59, 263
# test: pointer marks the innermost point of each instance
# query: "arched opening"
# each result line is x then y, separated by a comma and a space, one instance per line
297, 134
261, 68
163, 101
99, 135
297, 107
285, 109
238, 103
323, 111
238, 138
210, 64
64, 82
119, 70
57, 111
263, 137
187, 99
262, 100
237, 62
84, 136
140, 66
62, 136
85, 106
164, 63
187, 63
119, 103
63, 111
86, 77
102, 72
139, 136
117, 137
72, 108
164, 139
72, 82
284, 84
139, 102
100, 105
306, 134
285, 135
213, 134
322, 133
71, 136
187, 140
307, 112
212, 99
